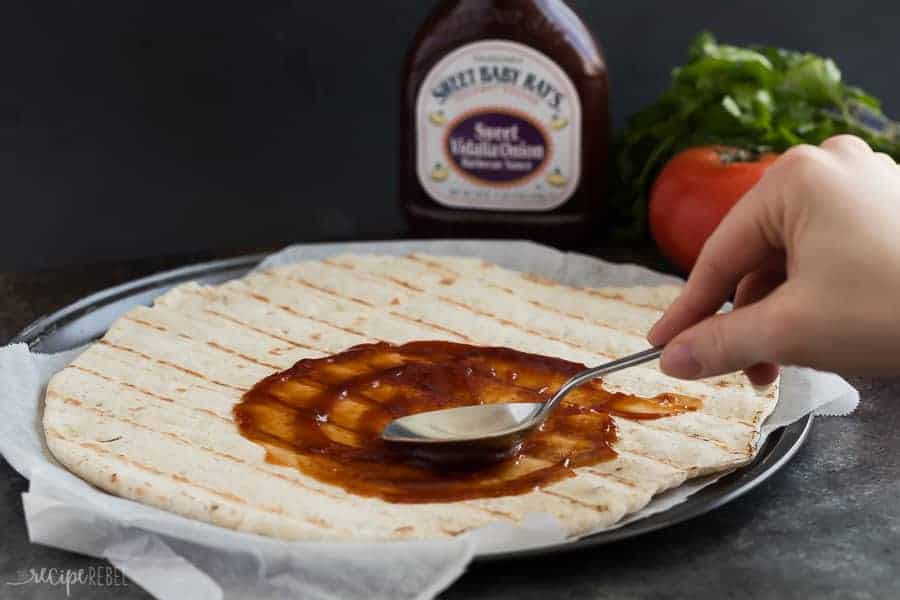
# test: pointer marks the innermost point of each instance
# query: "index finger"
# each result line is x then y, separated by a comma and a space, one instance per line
747, 236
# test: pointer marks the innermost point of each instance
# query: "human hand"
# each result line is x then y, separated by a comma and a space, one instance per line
812, 254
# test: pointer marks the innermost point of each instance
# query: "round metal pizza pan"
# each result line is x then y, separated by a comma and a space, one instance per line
88, 319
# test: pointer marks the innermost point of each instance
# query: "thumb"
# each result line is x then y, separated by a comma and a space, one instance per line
722, 343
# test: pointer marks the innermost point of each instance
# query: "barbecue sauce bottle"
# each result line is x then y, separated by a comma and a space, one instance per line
504, 123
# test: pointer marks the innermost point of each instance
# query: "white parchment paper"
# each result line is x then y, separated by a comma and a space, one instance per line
173, 557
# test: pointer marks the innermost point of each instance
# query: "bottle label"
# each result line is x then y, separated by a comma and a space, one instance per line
498, 127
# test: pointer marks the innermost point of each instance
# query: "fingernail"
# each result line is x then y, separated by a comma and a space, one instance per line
679, 361
651, 332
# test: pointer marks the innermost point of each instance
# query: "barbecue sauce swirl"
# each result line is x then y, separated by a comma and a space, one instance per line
324, 416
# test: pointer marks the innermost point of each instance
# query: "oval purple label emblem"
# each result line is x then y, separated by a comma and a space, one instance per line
497, 147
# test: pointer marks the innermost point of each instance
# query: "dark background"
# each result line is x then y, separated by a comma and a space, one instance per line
132, 129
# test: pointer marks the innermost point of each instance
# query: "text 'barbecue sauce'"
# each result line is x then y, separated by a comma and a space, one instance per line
504, 123
324, 416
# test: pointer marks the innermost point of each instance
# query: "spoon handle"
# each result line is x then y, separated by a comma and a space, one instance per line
604, 369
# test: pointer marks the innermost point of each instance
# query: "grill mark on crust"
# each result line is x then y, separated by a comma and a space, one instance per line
435, 326
395, 281
186, 442
119, 382
331, 260
245, 325
125, 384
210, 343
655, 459
614, 478
288, 309
597, 507
305, 283
167, 363
547, 307
237, 354
618, 298
667, 464
496, 512
95, 447
695, 436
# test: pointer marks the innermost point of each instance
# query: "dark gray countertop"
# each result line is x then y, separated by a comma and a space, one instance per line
826, 526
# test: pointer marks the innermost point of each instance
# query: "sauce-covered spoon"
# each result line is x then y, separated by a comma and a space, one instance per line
489, 432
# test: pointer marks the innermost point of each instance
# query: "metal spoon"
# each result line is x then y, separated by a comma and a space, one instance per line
489, 432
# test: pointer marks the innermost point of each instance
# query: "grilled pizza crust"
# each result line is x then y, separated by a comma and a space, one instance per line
145, 413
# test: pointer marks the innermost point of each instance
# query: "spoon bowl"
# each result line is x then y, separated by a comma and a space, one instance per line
464, 438
486, 433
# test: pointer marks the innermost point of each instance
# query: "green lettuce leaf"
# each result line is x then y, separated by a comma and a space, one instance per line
756, 98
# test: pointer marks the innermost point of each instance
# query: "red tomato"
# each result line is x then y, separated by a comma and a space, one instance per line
693, 193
